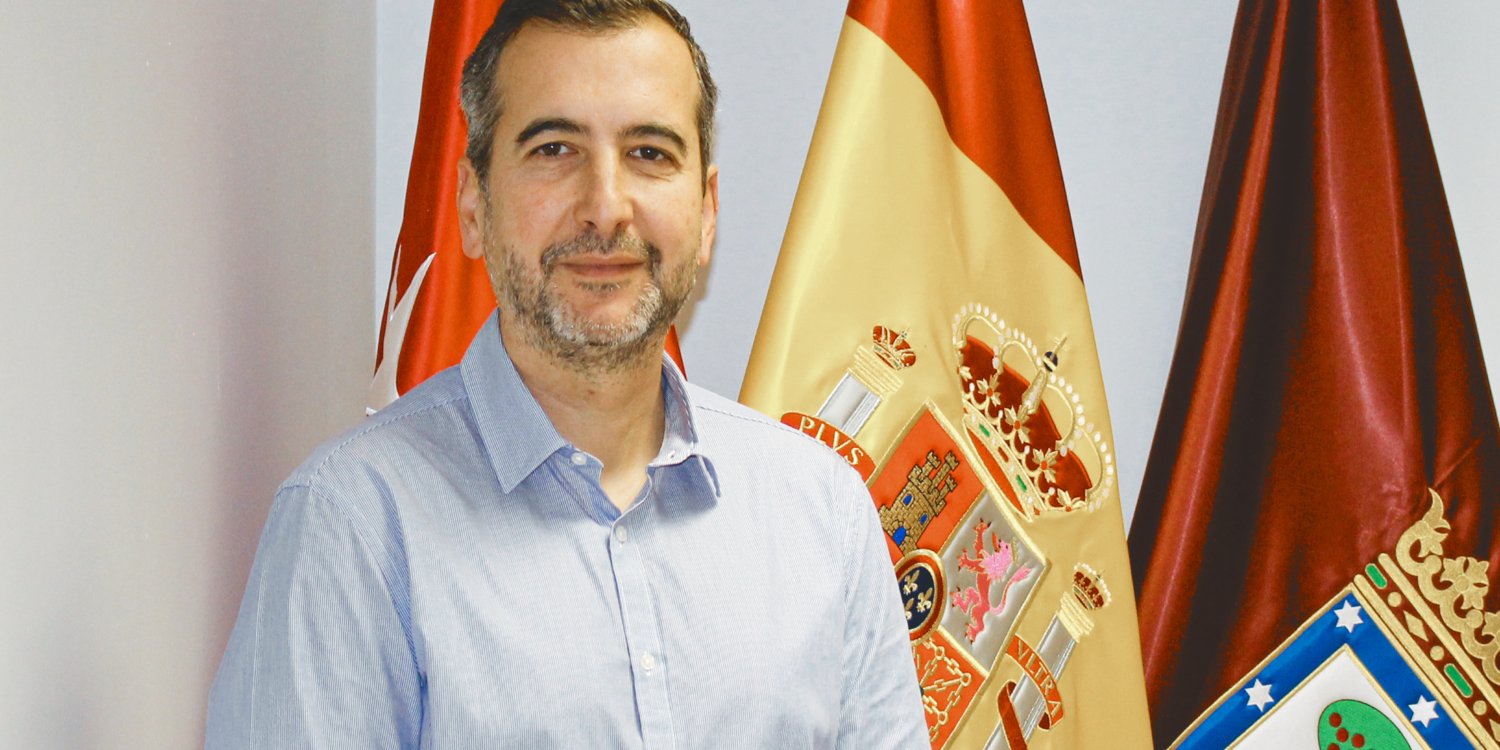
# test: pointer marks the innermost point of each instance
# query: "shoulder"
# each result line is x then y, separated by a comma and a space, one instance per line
424, 421
716, 408
721, 420
765, 453
363, 479
770, 472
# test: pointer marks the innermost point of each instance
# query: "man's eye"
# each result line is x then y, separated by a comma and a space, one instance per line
551, 149
651, 154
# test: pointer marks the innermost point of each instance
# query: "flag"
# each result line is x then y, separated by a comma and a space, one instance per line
1327, 372
927, 320
1393, 660
438, 297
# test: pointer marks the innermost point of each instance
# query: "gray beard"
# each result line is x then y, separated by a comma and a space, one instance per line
553, 326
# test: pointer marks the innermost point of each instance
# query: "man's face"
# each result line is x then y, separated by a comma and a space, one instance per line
597, 215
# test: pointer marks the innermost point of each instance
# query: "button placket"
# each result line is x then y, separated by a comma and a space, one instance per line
641, 633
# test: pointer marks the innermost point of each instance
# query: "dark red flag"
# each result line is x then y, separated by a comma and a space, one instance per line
1328, 368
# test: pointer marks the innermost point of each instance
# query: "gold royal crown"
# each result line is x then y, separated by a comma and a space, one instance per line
1029, 422
1433, 606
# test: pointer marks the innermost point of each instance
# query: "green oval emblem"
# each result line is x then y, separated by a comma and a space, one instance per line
1352, 725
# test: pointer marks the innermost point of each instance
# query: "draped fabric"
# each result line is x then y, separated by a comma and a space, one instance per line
1328, 369
438, 297
927, 320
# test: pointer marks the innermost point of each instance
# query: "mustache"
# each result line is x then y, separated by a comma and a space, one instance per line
591, 243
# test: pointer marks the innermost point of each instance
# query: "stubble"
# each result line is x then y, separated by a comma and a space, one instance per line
551, 324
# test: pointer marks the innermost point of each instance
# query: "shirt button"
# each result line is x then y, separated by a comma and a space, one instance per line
620, 535
648, 662
580, 458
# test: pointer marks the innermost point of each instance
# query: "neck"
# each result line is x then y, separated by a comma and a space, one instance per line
615, 413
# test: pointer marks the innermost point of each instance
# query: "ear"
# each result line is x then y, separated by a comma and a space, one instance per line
710, 214
471, 208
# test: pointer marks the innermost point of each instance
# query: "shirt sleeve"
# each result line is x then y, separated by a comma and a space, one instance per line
318, 658
882, 704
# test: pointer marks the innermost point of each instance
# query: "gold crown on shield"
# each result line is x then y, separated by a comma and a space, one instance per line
1434, 606
1088, 594
1041, 445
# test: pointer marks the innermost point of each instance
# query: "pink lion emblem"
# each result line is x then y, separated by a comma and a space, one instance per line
990, 566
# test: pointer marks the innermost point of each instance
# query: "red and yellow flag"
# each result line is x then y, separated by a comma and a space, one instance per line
927, 319
438, 296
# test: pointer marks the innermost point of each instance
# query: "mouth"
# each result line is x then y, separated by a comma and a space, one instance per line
598, 264
597, 267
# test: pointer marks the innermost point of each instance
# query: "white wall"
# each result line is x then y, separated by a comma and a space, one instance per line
1457, 59
1133, 88
186, 212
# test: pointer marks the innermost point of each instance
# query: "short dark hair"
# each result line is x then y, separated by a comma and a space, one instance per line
481, 99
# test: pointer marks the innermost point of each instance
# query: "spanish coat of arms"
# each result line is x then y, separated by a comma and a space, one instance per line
955, 498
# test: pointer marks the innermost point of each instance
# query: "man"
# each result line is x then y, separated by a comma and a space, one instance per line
560, 543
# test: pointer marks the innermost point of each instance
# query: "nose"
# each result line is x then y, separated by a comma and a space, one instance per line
606, 205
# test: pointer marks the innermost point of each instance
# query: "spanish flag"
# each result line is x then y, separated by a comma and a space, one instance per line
927, 320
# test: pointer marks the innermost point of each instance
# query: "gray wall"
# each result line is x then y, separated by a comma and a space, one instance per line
1133, 87
186, 213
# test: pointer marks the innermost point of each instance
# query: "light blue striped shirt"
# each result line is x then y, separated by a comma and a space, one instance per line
450, 574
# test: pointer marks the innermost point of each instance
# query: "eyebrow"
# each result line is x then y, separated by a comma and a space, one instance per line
564, 125
552, 124
656, 131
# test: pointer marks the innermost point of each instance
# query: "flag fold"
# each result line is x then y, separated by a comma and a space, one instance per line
1328, 370
927, 320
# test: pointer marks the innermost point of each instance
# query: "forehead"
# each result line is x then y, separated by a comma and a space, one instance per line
644, 70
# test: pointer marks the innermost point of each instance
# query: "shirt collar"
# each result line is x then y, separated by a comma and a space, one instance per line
680, 442
517, 434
